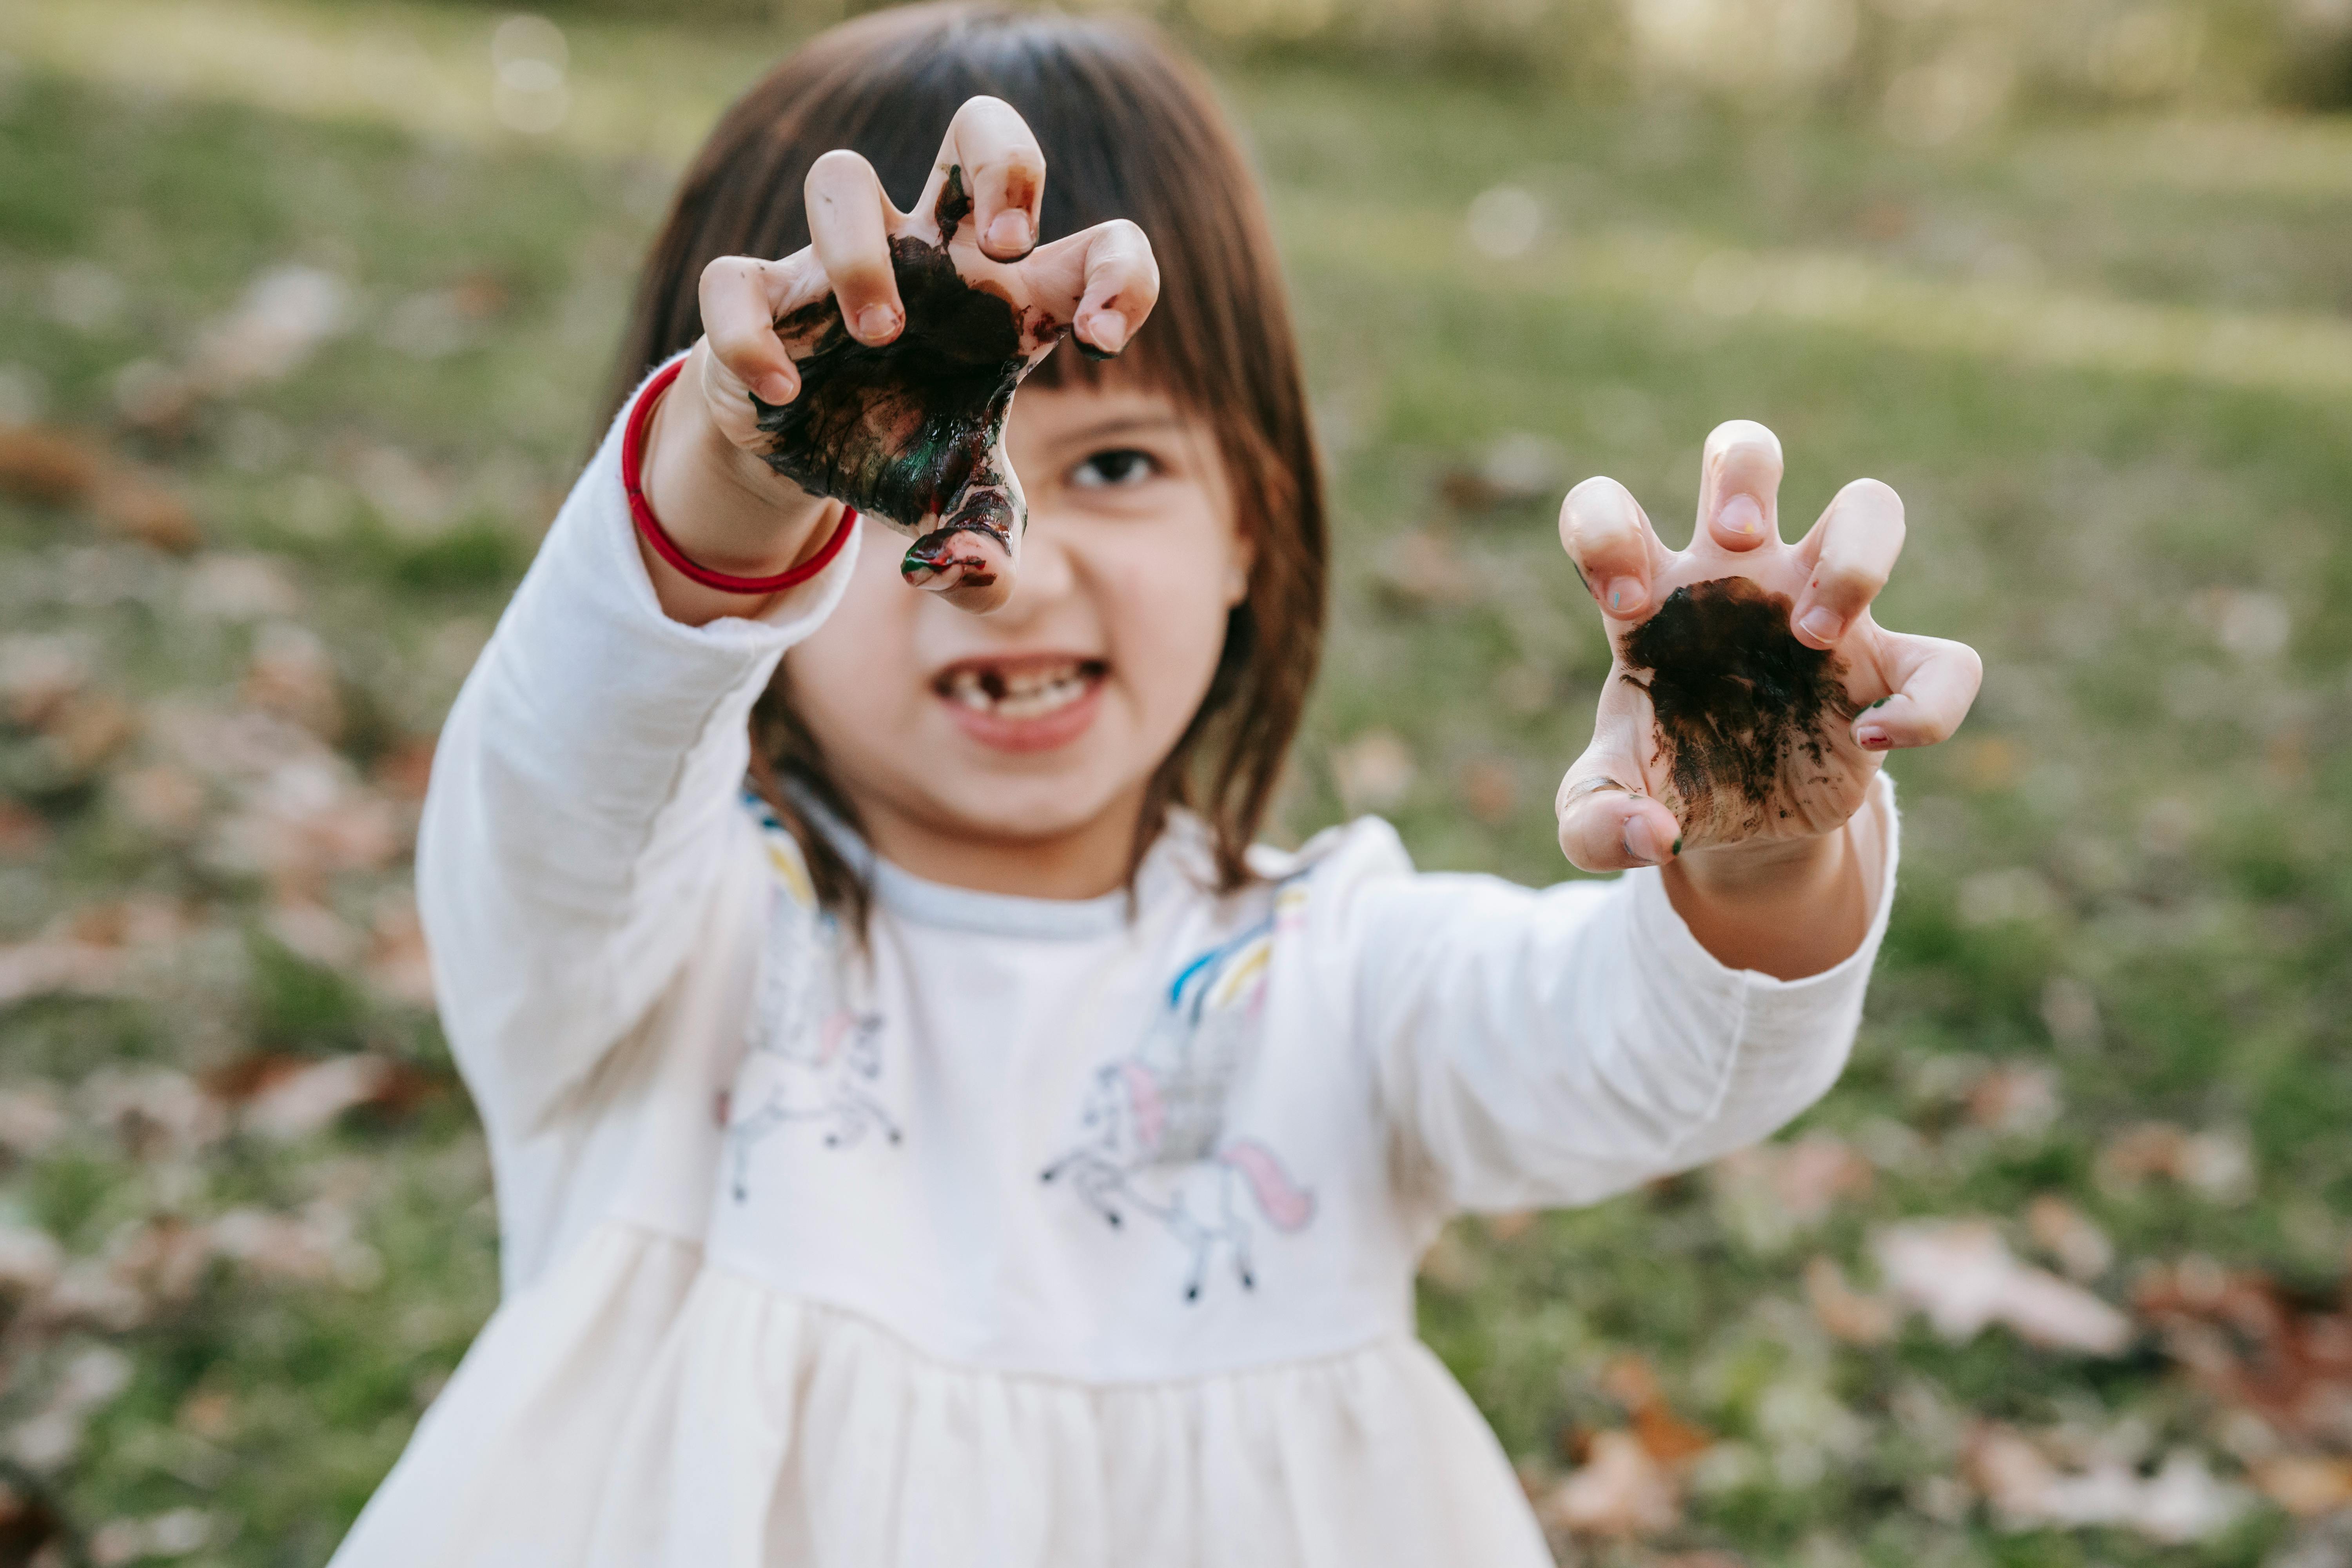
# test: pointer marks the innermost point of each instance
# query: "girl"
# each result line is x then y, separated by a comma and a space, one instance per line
968, 1148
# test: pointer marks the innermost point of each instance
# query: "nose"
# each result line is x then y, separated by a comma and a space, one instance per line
1045, 577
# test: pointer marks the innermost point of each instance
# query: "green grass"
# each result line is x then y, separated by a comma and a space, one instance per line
2173, 792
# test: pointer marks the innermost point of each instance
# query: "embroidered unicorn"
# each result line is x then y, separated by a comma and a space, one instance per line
1153, 1122
813, 1060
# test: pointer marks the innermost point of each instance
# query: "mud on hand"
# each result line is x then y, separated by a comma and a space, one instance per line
912, 431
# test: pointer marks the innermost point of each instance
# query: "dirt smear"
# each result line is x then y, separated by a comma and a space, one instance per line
1739, 703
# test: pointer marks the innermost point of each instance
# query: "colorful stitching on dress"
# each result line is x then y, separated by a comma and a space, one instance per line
813, 1060
1153, 1136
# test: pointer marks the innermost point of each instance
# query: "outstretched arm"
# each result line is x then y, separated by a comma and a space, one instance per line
1751, 698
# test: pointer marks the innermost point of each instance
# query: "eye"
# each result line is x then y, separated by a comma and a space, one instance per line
1114, 466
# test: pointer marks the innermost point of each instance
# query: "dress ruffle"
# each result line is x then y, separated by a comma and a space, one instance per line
637, 1409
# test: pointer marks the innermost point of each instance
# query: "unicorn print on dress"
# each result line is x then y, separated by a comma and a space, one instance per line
813, 1062
1153, 1141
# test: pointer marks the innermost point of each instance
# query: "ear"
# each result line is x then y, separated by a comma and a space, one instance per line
1240, 562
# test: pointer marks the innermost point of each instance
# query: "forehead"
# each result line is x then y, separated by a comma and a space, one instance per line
1075, 411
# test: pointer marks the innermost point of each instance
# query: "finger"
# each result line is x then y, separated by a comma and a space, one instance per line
1934, 684
1739, 485
1605, 826
1848, 554
1004, 174
1611, 545
737, 295
849, 226
1111, 278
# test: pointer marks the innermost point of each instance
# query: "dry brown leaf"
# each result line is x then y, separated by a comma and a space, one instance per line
1620, 1491
58, 968
2064, 1232
29, 1261
24, 832
138, 505
2247, 1344
1375, 771
1490, 790
1847, 1313
1964, 1277
312, 1096
50, 466
2306, 1484
1422, 571
31, 1116
2014, 1099
66, 468
2218, 1165
292, 675
2181, 1502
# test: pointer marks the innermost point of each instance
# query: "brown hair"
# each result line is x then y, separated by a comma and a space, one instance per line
1129, 129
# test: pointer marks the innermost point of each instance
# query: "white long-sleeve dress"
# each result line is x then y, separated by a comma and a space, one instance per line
1049, 1233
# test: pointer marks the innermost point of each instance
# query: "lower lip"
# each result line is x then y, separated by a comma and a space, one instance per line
1043, 734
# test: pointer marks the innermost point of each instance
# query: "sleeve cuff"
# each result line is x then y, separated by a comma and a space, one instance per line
1661, 929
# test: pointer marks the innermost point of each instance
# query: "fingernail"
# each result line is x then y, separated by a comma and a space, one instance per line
877, 323
1105, 334
1871, 738
1009, 235
1820, 624
1642, 841
1626, 596
1742, 516
777, 388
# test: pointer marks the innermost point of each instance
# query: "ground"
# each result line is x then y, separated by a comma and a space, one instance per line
301, 339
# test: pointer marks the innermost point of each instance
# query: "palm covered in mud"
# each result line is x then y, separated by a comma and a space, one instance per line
1751, 695
878, 366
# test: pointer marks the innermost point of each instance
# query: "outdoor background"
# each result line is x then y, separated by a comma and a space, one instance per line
305, 310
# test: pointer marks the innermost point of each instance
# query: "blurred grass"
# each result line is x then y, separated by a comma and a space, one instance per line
2108, 364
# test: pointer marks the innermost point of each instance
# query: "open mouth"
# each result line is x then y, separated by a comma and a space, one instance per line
1016, 691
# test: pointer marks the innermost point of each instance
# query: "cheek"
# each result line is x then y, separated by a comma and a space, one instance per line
858, 672
1166, 612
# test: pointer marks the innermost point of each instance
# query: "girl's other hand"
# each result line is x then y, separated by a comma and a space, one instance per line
776, 333
1751, 696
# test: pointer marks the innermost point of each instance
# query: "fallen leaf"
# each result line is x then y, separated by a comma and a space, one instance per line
1420, 571
285, 314
1490, 789
1620, 1491
2217, 1165
24, 832
292, 675
2247, 1344
31, 1116
58, 968
2306, 1484
1847, 1313
1374, 771
2181, 1502
29, 1261
2015, 1100
1963, 1277
50, 467
2061, 1230
90, 1379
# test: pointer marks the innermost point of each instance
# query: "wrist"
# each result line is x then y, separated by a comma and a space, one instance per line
721, 504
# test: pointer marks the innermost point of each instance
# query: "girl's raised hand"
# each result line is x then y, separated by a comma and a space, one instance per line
1751, 696
876, 366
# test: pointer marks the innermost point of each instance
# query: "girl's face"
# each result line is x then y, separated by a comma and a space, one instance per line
1011, 750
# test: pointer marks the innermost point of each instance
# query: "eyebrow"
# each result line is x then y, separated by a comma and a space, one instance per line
1122, 425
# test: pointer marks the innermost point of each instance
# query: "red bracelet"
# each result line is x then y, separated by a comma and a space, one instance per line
633, 465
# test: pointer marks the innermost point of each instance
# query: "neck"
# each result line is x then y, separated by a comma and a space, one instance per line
1082, 862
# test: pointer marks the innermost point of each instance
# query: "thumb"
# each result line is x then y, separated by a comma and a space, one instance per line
1607, 823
